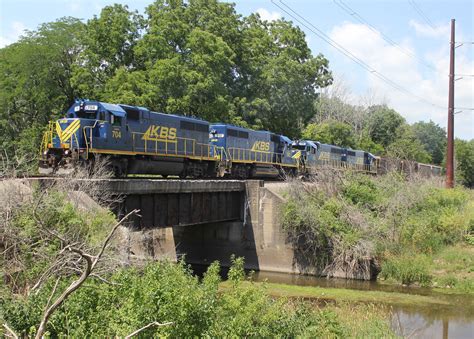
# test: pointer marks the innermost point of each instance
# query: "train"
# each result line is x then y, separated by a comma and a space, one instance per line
136, 140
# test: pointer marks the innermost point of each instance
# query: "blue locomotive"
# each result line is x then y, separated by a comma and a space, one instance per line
313, 155
136, 140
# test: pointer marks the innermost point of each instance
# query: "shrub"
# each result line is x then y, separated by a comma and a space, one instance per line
407, 269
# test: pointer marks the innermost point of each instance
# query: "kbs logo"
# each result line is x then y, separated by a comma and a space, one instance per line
261, 146
159, 133
324, 156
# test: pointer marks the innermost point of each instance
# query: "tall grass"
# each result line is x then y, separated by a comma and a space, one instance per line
355, 221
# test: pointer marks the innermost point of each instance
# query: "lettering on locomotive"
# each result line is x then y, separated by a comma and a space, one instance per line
160, 133
261, 146
324, 156
116, 133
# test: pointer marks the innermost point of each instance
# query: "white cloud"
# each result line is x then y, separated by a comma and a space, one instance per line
430, 32
13, 33
267, 15
406, 71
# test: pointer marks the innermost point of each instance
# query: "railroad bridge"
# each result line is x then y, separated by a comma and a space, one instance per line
205, 220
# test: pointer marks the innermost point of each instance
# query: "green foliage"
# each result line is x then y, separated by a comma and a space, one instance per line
407, 146
383, 217
433, 139
164, 291
361, 190
331, 132
383, 124
464, 152
442, 218
36, 83
407, 269
55, 213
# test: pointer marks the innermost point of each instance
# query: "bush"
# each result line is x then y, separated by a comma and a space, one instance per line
407, 269
163, 292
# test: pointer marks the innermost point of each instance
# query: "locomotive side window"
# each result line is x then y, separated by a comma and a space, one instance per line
132, 113
237, 134
102, 115
115, 121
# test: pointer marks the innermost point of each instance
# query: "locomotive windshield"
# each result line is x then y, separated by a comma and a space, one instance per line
86, 115
86, 111
299, 147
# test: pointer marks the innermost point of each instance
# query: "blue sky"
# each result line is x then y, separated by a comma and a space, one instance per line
419, 62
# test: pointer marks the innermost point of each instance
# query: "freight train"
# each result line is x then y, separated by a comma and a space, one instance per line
136, 140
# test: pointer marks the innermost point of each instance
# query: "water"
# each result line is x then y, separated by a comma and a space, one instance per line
455, 319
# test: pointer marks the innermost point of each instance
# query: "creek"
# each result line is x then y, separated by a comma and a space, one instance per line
452, 317
447, 314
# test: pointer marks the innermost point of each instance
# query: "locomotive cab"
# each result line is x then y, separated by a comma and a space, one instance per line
69, 139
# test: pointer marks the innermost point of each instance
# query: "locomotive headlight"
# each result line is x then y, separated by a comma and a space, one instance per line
45, 153
66, 152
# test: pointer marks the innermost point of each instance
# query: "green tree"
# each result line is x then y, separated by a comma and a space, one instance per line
331, 132
109, 41
35, 85
433, 138
279, 77
383, 123
407, 146
464, 153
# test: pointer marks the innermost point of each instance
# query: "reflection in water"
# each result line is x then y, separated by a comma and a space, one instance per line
453, 320
421, 321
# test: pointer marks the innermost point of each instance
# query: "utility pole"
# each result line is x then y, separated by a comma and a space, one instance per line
450, 151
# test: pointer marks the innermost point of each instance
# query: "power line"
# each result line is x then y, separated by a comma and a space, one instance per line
359, 18
348, 54
421, 13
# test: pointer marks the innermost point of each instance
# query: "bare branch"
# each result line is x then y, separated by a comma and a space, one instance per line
155, 323
13, 334
91, 262
52, 292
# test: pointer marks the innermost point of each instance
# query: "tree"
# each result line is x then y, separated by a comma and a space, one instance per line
279, 77
331, 132
433, 139
464, 152
383, 123
109, 41
36, 80
407, 147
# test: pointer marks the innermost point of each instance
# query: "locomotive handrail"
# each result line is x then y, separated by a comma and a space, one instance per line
47, 137
190, 146
90, 128
245, 154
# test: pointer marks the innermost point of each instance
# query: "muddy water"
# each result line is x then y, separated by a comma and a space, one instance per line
455, 320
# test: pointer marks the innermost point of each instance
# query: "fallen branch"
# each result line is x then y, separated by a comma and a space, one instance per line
155, 323
91, 262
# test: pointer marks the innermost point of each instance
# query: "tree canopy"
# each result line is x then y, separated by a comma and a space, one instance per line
433, 138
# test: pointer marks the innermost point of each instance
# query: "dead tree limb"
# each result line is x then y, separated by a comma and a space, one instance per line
155, 323
91, 262
9, 330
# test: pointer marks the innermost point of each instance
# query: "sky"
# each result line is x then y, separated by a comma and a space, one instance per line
406, 42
